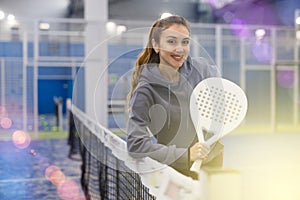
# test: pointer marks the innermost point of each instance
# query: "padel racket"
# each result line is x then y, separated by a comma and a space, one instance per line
218, 106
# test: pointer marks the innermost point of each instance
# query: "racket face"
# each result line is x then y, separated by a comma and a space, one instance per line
218, 106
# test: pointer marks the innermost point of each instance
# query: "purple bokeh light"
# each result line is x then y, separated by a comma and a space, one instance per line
239, 27
285, 79
262, 51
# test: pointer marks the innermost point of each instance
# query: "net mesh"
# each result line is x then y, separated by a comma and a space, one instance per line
104, 176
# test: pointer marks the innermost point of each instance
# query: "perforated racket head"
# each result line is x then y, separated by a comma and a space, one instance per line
218, 106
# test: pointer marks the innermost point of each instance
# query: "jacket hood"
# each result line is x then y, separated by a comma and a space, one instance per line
181, 89
152, 75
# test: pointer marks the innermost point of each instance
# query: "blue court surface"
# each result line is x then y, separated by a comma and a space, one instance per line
40, 171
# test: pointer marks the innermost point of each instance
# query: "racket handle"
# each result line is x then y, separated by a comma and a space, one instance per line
196, 166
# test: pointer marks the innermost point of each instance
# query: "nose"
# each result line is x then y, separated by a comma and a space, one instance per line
179, 49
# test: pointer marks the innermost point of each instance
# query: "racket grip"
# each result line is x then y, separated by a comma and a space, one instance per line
196, 166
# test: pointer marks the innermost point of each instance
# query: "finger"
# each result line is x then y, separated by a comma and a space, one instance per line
204, 149
201, 156
203, 145
203, 152
206, 146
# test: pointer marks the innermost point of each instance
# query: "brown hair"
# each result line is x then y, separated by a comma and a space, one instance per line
148, 55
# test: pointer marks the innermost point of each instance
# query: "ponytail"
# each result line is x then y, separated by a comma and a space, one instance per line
146, 56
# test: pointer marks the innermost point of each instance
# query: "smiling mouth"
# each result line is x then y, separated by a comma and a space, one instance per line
177, 57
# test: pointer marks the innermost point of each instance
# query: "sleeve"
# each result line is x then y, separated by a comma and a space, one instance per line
140, 142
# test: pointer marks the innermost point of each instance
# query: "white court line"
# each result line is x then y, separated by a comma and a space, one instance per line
33, 179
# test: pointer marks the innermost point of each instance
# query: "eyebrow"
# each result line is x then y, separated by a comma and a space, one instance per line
173, 37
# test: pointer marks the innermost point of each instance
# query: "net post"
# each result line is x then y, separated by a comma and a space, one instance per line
58, 112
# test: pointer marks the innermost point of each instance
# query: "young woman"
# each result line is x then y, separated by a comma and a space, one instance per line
159, 124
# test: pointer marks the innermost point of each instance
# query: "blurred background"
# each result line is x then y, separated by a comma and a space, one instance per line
83, 51
254, 42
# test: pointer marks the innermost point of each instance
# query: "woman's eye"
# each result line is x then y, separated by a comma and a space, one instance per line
171, 41
186, 42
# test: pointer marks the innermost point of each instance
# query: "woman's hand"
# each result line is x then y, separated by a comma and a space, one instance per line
199, 151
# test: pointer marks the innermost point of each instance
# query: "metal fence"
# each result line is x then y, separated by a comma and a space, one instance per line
263, 61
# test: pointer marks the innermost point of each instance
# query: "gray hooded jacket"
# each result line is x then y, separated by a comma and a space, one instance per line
159, 123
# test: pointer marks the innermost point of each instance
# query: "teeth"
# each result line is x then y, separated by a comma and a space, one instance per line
177, 57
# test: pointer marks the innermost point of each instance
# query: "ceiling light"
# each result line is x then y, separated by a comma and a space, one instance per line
111, 27
297, 20
2, 15
44, 26
11, 17
12, 22
260, 33
121, 29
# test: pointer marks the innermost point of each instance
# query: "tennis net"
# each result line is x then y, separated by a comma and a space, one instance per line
109, 173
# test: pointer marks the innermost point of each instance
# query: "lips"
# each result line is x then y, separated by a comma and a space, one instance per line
177, 57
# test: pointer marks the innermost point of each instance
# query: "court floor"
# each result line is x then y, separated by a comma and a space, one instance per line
268, 165
40, 171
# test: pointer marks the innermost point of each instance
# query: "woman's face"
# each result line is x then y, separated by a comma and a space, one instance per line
174, 46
